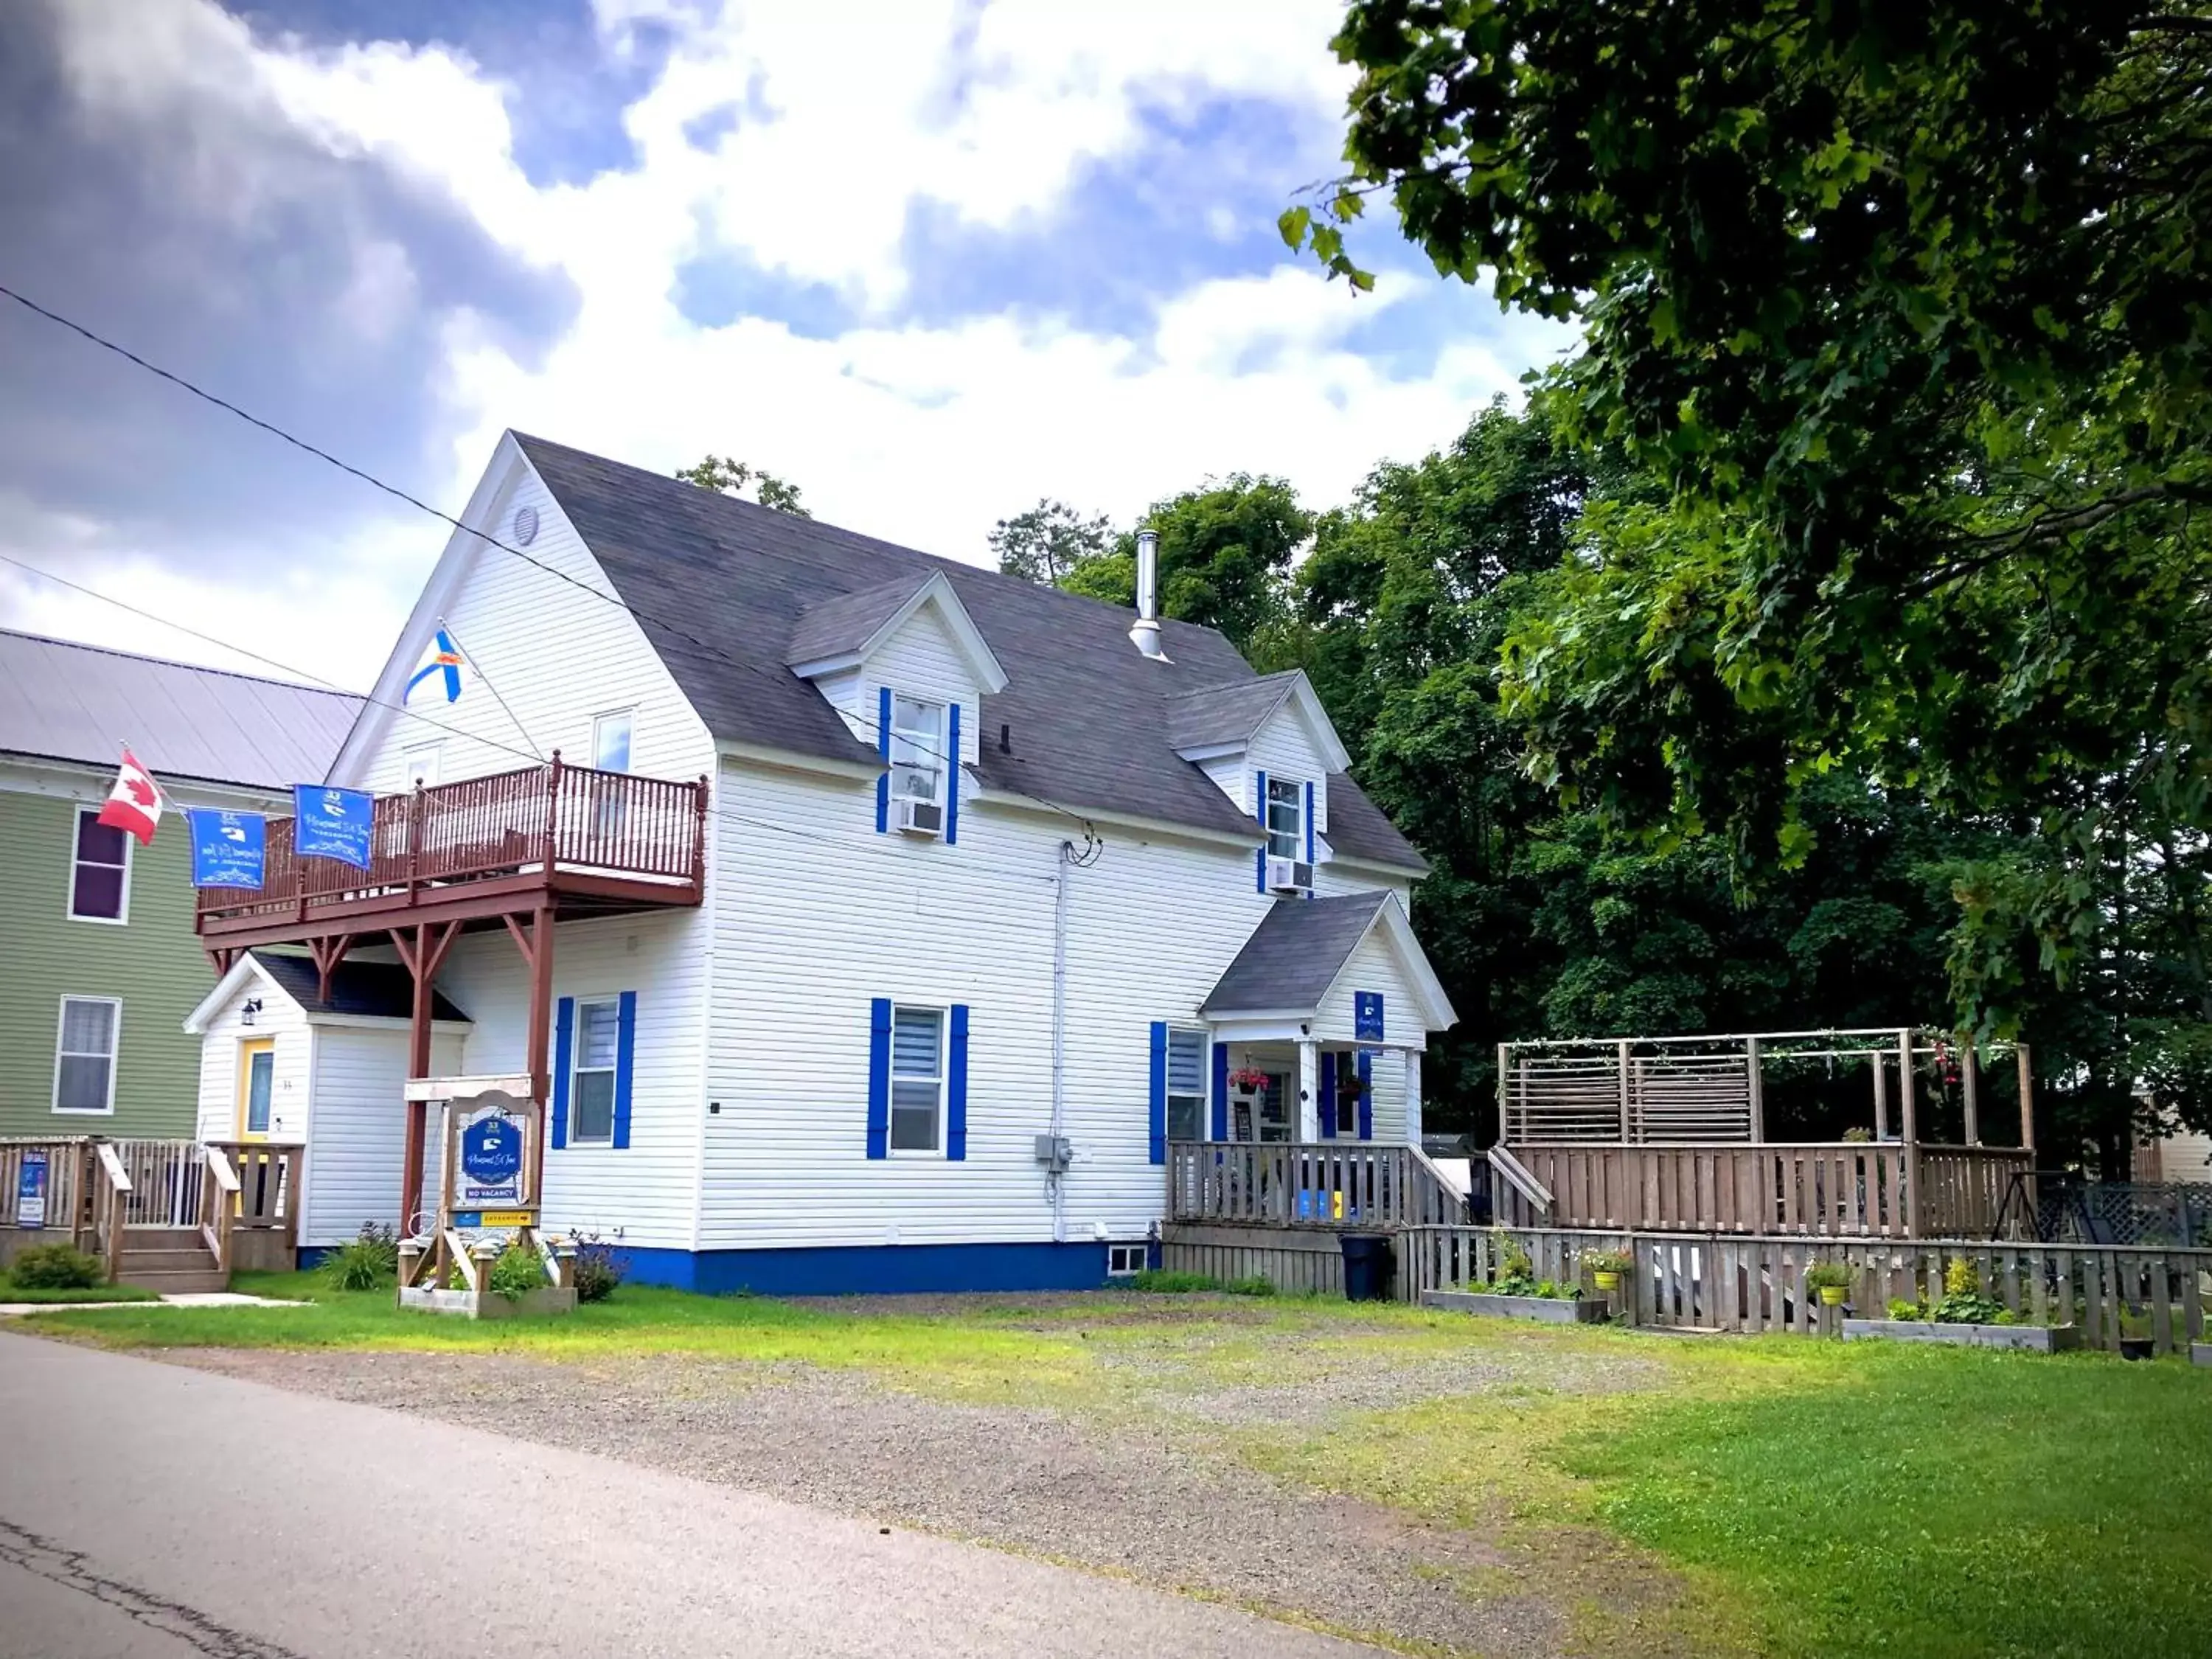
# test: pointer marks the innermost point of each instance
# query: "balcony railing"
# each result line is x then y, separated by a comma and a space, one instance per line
545, 820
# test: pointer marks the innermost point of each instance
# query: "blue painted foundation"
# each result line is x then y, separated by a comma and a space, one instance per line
873, 1269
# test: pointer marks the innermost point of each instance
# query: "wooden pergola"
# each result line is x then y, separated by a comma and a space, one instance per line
518, 851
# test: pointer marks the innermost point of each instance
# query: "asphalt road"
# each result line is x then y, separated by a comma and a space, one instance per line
147, 1511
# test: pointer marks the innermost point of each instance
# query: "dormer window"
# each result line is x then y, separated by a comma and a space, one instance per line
1286, 826
918, 751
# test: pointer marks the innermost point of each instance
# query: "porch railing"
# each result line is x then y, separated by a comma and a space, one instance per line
1336, 1184
548, 818
1840, 1188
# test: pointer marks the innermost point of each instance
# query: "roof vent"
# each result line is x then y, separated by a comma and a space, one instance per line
1145, 630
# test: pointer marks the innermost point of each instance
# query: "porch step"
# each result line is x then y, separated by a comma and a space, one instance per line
175, 1282
137, 1240
170, 1267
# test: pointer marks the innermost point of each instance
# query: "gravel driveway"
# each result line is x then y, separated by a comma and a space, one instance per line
1152, 1493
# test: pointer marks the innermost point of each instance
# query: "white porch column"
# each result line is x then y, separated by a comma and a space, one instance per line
1413, 1096
1308, 1090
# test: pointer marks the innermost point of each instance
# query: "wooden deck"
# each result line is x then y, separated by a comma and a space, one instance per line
471, 853
1332, 1185
230, 1205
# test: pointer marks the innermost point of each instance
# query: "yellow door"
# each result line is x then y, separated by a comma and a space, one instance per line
257, 1081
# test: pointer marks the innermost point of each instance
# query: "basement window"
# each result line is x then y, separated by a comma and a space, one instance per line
1124, 1260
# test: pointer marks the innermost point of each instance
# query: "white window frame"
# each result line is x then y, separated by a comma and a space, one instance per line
1297, 804
1172, 1094
929, 745
578, 1070
599, 724
893, 1077
409, 771
1128, 1267
122, 918
114, 1056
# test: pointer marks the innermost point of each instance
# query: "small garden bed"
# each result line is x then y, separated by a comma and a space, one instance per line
1550, 1309
2030, 1339
546, 1299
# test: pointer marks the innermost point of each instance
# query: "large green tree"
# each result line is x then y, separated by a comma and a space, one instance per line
1904, 309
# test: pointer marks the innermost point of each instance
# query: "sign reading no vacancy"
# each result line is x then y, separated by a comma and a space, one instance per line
490, 1172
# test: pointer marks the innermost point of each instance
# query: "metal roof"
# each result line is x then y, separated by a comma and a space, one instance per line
64, 702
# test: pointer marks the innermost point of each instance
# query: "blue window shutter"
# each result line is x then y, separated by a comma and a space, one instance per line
564, 1052
1220, 1091
879, 1077
1159, 1112
953, 775
1260, 858
1327, 1113
1310, 830
883, 748
1367, 1094
956, 1088
625, 1053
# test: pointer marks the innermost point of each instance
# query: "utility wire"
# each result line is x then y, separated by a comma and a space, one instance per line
446, 518
850, 842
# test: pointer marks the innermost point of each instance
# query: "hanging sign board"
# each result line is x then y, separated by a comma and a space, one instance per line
31, 1190
1367, 1015
230, 849
332, 824
490, 1166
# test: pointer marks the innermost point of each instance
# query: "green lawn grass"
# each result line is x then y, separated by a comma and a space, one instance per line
1815, 1498
11, 1291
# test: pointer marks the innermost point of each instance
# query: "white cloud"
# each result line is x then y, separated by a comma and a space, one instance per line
922, 431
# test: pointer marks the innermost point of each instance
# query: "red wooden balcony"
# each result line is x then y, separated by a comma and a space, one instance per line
577, 841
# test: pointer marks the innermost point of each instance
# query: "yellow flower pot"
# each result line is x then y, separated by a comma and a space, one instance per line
1606, 1281
1832, 1296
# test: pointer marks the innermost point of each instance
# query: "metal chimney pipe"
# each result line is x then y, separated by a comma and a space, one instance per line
1145, 630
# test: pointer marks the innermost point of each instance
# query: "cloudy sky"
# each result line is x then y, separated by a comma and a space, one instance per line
930, 259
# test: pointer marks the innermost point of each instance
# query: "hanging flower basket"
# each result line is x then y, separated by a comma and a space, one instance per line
1247, 1081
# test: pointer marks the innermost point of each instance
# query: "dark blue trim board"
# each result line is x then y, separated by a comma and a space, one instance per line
883, 748
564, 1052
1260, 858
858, 1270
952, 775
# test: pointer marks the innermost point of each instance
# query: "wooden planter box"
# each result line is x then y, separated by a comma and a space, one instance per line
2029, 1338
2200, 1353
1550, 1311
490, 1304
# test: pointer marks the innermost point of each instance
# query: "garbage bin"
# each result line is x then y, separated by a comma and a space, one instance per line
1367, 1267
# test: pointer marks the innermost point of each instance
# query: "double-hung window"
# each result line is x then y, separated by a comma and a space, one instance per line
592, 1092
1186, 1084
100, 870
84, 1060
1285, 818
917, 1079
917, 750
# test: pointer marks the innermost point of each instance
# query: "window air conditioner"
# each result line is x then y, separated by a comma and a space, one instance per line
1289, 876
921, 818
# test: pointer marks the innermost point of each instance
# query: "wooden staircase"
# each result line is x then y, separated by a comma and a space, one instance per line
169, 1262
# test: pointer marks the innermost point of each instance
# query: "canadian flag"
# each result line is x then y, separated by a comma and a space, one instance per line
134, 805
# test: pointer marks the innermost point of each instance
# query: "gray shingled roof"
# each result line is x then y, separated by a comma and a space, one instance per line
1294, 955
848, 621
1358, 829
1226, 713
726, 585
380, 990
60, 701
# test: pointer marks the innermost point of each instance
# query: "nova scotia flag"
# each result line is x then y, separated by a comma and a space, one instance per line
441, 659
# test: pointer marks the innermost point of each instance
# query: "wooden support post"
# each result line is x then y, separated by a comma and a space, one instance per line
422, 956
327, 954
1621, 1062
2027, 1096
1756, 1086
1504, 1112
1880, 1098
1970, 1088
1908, 1123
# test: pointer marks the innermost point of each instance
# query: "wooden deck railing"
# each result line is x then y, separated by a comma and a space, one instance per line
1323, 1183
1696, 1281
545, 818
1841, 1188
263, 1231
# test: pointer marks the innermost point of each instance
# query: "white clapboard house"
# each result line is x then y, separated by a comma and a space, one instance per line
880, 925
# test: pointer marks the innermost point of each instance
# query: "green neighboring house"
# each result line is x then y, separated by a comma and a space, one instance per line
98, 964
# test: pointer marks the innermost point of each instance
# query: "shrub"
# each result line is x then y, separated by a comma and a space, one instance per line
1517, 1274
1171, 1284
365, 1261
1256, 1284
1829, 1275
1900, 1309
58, 1267
518, 1271
1963, 1303
598, 1268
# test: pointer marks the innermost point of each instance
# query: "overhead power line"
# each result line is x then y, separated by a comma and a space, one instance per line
443, 517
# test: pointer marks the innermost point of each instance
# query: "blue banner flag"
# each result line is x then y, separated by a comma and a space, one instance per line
230, 849
1367, 1015
332, 824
